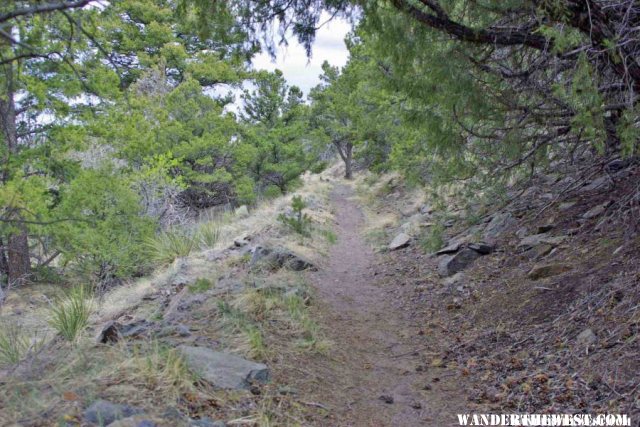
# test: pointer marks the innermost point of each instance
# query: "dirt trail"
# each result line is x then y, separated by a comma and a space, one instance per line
374, 352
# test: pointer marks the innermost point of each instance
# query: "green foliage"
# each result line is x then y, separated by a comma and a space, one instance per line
300, 222
433, 239
15, 344
200, 285
70, 313
171, 244
208, 234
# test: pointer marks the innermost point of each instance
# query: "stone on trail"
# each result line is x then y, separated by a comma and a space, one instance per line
481, 248
596, 211
451, 264
224, 370
103, 412
402, 240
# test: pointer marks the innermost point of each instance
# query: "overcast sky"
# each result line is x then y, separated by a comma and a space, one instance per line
302, 71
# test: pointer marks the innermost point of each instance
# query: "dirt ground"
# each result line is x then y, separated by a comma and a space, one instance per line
377, 373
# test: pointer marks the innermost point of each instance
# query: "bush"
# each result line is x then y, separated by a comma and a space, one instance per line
433, 240
300, 222
70, 313
208, 234
172, 244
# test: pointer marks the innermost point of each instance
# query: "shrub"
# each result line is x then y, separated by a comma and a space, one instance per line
208, 234
70, 313
200, 285
433, 240
172, 244
299, 222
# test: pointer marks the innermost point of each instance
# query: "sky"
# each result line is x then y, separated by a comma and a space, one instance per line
302, 71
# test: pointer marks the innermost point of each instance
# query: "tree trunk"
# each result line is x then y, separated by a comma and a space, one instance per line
345, 150
348, 162
18, 261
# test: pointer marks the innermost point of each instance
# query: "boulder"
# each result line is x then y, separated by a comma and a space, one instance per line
242, 211
499, 223
241, 241
542, 271
402, 240
103, 412
224, 370
451, 264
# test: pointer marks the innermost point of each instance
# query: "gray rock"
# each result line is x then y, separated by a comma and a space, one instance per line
542, 271
135, 421
565, 206
103, 412
279, 258
481, 248
500, 223
602, 183
108, 333
402, 240
451, 264
224, 370
596, 211
242, 211
242, 241
539, 239
586, 338
206, 422
425, 209
453, 280
452, 247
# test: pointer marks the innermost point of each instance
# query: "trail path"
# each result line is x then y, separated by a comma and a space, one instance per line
373, 355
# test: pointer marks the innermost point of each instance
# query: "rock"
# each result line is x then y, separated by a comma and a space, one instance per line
425, 209
453, 247
540, 251
539, 239
566, 206
279, 258
386, 399
545, 228
498, 225
109, 333
402, 240
242, 241
453, 280
179, 329
602, 183
242, 211
103, 412
135, 329
206, 422
135, 421
596, 211
542, 271
451, 264
481, 248
522, 233
586, 338
224, 370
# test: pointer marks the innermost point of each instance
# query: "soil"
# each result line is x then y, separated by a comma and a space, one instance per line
377, 373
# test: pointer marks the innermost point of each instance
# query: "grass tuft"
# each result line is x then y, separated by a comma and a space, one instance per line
70, 313
208, 234
169, 245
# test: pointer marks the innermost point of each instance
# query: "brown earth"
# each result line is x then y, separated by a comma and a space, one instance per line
380, 371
